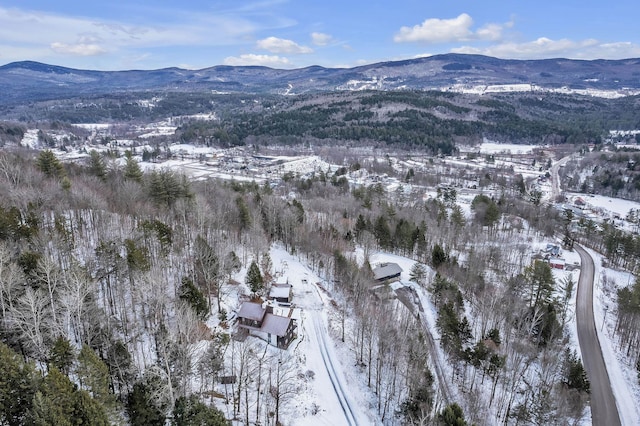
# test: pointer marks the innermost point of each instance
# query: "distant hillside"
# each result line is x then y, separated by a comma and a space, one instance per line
33, 81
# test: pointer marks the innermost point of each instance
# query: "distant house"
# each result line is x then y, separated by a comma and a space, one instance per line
557, 263
553, 249
256, 318
387, 272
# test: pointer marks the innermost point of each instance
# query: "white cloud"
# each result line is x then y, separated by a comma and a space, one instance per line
79, 49
436, 30
321, 39
547, 48
253, 59
39, 35
490, 32
280, 45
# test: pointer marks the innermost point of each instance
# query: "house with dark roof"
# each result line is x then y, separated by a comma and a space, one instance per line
387, 272
259, 319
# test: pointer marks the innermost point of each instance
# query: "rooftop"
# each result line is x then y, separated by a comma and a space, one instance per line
386, 270
275, 324
252, 311
279, 291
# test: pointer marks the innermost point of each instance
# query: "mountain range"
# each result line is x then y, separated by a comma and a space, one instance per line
34, 81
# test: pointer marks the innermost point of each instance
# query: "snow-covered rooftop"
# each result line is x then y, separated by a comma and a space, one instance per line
252, 311
275, 324
279, 291
387, 270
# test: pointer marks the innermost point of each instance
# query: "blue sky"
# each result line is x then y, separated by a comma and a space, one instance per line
116, 35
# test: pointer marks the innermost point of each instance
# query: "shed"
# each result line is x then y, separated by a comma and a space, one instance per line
281, 293
282, 281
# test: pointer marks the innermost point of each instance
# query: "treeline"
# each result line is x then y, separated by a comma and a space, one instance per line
432, 121
11, 132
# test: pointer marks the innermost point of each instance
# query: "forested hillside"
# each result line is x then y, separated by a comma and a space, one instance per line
435, 122
117, 294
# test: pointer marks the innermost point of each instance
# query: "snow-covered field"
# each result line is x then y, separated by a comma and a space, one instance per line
617, 206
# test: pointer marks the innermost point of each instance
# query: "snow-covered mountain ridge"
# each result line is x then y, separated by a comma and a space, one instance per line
29, 80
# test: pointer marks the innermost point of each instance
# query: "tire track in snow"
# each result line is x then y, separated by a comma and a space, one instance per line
331, 370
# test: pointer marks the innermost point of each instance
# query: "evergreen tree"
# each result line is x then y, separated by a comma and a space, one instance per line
575, 377
93, 375
299, 210
244, 217
418, 273
540, 281
438, 256
141, 408
58, 402
486, 210
49, 164
192, 412
165, 187
382, 232
121, 369
254, 278
361, 225
88, 411
62, 355
132, 170
452, 415
19, 382
190, 294
137, 256
97, 166
457, 216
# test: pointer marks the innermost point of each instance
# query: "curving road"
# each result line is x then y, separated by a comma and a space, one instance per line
603, 404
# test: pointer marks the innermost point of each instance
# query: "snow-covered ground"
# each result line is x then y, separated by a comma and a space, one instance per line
314, 306
533, 88
492, 147
613, 206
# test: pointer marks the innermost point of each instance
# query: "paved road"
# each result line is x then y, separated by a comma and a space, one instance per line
603, 404
555, 178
